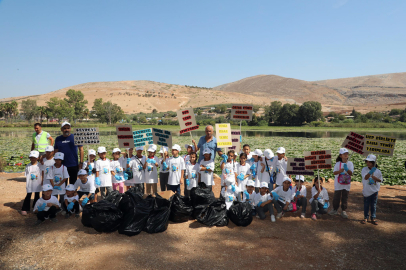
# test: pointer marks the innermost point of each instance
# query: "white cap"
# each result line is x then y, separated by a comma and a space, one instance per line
287, 179
190, 145
253, 154
258, 152
280, 150
370, 158
70, 187
300, 177
206, 151
343, 151
34, 154
47, 187
176, 147
163, 149
264, 184
115, 150
82, 172
92, 152
101, 149
250, 183
139, 148
151, 148
49, 148
59, 155
268, 153
65, 123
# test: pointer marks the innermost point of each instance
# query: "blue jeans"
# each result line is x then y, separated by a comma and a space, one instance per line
370, 202
174, 188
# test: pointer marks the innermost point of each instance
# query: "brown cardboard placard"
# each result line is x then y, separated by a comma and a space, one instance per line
320, 159
187, 120
125, 136
354, 142
86, 136
242, 112
379, 145
297, 166
235, 139
223, 135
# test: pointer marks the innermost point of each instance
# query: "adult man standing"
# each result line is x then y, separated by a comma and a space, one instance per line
40, 139
209, 142
66, 144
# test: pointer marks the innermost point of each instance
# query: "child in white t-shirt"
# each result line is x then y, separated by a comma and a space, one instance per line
60, 176
342, 182
230, 193
282, 196
319, 199
130, 181
103, 173
176, 166
279, 166
47, 206
90, 167
299, 193
190, 149
33, 178
47, 163
191, 173
371, 181
151, 170
254, 167
136, 163
263, 202
228, 168
266, 168
117, 172
243, 172
163, 168
86, 188
71, 202
249, 194
206, 169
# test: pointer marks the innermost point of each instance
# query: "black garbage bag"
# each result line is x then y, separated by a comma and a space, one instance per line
201, 195
159, 217
240, 213
181, 208
88, 214
114, 197
215, 214
107, 216
136, 219
136, 189
198, 210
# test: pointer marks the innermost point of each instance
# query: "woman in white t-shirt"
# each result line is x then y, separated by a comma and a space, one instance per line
342, 182
371, 181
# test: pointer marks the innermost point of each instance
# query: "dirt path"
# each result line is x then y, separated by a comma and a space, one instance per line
290, 243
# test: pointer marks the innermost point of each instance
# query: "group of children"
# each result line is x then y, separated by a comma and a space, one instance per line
258, 177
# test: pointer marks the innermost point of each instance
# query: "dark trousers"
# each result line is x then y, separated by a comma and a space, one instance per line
51, 213
302, 202
105, 191
61, 198
27, 200
163, 180
140, 187
278, 205
318, 207
174, 188
187, 193
73, 174
262, 210
370, 203
340, 195
74, 210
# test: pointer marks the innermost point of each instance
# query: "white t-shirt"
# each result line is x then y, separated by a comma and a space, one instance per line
338, 186
176, 166
251, 198
228, 178
261, 198
33, 178
41, 201
368, 189
207, 177
103, 167
161, 166
115, 166
123, 162
137, 164
230, 196
258, 176
47, 169
265, 176
70, 199
192, 170
186, 158
243, 169
303, 191
284, 196
85, 187
60, 174
151, 172
92, 176
323, 196
280, 167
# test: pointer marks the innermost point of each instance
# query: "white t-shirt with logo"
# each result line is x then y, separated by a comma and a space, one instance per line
280, 167
192, 172
161, 166
251, 198
284, 196
230, 196
228, 178
41, 201
47, 169
176, 166
88, 186
151, 172
103, 167
71, 199
137, 166
243, 169
303, 191
338, 186
258, 176
207, 177
368, 189
323, 196
265, 176
261, 198
33, 176
114, 165
92, 176
59, 174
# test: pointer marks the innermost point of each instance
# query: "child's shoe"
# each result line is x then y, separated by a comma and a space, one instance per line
23, 213
77, 215
314, 217
273, 218
302, 215
333, 212
279, 215
54, 220
344, 214
38, 222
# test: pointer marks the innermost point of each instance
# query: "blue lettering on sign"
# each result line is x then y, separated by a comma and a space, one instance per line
167, 132
162, 143
137, 136
138, 144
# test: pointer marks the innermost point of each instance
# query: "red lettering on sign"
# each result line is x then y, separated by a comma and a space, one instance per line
185, 112
188, 123
125, 137
187, 118
241, 112
240, 117
124, 129
247, 108
236, 107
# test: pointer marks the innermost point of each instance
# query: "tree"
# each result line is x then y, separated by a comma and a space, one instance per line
244, 123
30, 109
272, 111
221, 108
332, 114
341, 117
288, 115
76, 100
154, 111
106, 112
134, 118
59, 108
254, 121
86, 114
310, 111
402, 117
395, 112
153, 121
41, 112
355, 113
142, 119
255, 108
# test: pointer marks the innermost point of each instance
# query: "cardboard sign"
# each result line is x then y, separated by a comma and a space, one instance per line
125, 136
223, 135
354, 142
235, 139
142, 137
85, 136
297, 166
317, 159
187, 120
162, 137
241, 112
379, 145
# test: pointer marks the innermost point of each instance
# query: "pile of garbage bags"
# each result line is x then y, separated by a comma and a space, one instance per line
130, 213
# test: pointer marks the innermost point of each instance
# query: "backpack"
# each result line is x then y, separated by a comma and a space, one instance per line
344, 179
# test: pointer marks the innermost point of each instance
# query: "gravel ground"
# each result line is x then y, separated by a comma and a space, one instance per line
290, 243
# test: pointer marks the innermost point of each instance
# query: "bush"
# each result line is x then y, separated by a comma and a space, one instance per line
347, 121
262, 123
2, 164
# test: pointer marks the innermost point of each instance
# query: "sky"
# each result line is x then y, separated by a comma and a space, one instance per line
47, 45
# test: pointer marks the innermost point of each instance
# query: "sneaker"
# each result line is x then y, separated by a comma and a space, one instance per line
333, 212
54, 220
314, 217
67, 215
302, 216
77, 215
63, 213
23, 213
257, 216
38, 222
273, 218
344, 214
279, 215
